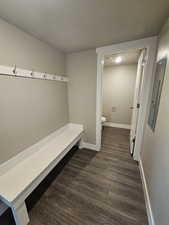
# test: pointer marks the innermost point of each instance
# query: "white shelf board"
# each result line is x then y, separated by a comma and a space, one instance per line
15, 180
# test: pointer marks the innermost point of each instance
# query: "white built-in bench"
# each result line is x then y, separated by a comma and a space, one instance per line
22, 174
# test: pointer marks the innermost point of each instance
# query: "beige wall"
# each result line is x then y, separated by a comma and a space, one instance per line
155, 154
81, 69
29, 108
17, 47
118, 92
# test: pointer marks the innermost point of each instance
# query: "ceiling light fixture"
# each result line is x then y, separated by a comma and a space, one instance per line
118, 59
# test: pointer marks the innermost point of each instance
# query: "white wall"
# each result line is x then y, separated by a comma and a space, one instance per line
82, 69
29, 108
17, 47
118, 92
155, 153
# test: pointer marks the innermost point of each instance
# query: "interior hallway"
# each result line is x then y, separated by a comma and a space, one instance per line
95, 188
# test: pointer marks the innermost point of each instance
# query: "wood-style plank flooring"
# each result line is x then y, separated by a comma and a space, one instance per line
92, 188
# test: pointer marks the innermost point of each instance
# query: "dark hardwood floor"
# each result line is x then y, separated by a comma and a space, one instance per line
95, 188
89, 188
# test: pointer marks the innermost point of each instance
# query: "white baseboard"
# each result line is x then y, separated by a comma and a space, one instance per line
118, 125
89, 146
146, 195
3, 207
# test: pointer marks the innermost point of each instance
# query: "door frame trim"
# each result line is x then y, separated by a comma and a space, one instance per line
151, 45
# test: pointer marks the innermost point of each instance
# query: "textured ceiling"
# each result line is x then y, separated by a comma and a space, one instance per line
74, 25
130, 57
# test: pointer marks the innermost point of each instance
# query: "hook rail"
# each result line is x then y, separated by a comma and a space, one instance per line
15, 71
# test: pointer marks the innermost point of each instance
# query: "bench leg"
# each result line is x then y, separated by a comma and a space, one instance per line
80, 143
20, 214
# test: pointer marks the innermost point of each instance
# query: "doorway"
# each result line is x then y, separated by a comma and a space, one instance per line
142, 90
119, 79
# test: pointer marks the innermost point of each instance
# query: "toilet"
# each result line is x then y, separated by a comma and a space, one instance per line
103, 119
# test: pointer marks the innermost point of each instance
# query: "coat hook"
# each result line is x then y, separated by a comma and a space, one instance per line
14, 70
32, 73
44, 75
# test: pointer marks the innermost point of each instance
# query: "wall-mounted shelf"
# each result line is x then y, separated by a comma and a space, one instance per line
18, 72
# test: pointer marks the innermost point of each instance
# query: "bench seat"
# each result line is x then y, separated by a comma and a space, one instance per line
20, 180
